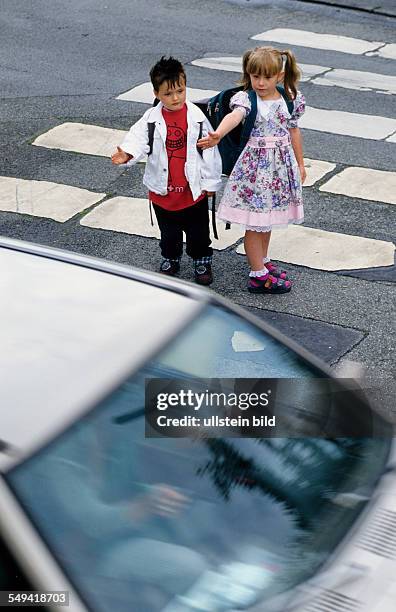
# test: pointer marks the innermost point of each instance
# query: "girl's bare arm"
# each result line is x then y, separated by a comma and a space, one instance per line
229, 122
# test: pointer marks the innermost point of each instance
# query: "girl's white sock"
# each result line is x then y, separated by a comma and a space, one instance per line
256, 273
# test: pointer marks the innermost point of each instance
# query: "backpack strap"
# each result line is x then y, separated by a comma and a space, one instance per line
151, 128
289, 102
150, 141
250, 119
151, 212
200, 151
214, 217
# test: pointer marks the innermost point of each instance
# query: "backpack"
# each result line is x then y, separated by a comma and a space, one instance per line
231, 145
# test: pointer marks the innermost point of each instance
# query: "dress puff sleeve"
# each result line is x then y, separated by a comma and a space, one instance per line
299, 110
241, 101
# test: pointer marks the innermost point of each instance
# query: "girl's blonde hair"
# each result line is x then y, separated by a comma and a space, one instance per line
268, 61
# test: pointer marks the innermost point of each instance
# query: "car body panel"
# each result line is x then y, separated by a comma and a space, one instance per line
360, 575
66, 339
27, 546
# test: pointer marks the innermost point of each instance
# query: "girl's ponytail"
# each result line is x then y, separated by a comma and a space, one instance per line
292, 74
245, 78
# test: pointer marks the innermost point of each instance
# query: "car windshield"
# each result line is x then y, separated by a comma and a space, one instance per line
175, 524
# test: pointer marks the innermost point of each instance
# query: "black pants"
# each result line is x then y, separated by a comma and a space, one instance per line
194, 221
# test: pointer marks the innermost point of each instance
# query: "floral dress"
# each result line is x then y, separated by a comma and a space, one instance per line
264, 189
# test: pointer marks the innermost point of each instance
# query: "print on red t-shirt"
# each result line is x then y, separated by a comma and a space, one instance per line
179, 193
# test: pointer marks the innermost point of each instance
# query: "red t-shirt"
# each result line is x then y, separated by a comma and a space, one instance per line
179, 193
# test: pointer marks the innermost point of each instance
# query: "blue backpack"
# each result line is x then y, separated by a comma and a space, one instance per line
232, 145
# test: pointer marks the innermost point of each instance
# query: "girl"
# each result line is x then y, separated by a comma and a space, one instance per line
265, 186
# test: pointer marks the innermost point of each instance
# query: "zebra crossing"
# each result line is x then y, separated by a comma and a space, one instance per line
306, 246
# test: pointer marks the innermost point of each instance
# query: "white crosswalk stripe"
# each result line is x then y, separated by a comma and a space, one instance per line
330, 251
316, 170
123, 214
319, 75
81, 138
44, 199
233, 64
372, 127
387, 51
358, 80
144, 93
364, 183
131, 215
313, 40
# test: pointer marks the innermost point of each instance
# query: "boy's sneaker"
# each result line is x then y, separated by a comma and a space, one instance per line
203, 274
170, 267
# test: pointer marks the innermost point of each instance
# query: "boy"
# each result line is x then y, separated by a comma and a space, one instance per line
178, 177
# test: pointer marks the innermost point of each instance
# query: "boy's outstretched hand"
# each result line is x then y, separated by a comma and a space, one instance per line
120, 157
211, 140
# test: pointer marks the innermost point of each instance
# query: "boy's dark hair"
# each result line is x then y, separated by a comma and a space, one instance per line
168, 70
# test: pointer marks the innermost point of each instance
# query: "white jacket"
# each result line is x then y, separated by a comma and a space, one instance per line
202, 173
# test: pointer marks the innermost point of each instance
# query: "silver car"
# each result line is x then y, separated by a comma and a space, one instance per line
96, 515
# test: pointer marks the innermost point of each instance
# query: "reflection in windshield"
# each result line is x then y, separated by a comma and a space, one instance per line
172, 525
292, 472
219, 344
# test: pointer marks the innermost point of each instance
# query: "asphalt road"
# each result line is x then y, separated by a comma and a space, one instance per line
67, 62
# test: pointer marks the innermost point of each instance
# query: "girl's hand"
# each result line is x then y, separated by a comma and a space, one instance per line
303, 173
211, 140
120, 157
